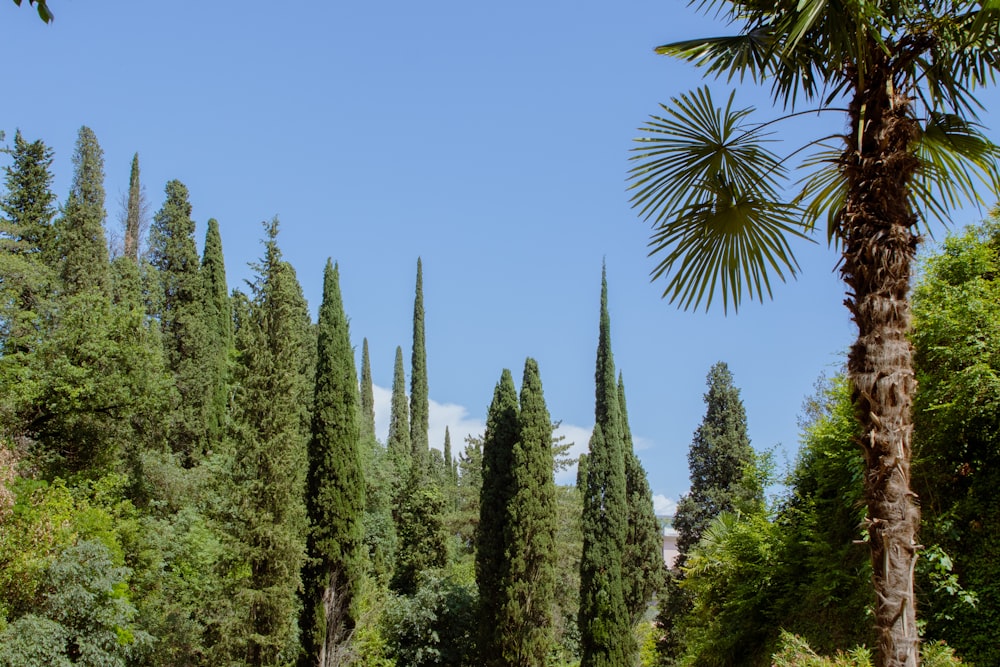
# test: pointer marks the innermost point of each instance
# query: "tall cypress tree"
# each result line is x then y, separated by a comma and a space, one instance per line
643, 569
267, 516
398, 439
605, 633
218, 322
335, 490
719, 460
174, 253
133, 212
494, 500
367, 394
82, 249
450, 472
526, 625
419, 398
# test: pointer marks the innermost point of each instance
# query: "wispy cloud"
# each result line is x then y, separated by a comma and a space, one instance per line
664, 506
456, 417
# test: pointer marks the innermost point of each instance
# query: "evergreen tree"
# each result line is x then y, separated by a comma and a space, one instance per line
419, 397
719, 460
450, 471
174, 253
420, 527
494, 500
605, 633
642, 560
398, 439
27, 210
267, 516
29, 203
526, 624
367, 394
82, 249
334, 490
133, 212
218, 321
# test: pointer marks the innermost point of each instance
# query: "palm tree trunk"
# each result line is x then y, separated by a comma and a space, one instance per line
880, 240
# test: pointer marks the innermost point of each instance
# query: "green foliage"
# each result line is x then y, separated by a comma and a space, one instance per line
217, 311
81, 246
422, 540
419, 397
335, 487
367, 394
605, 632
494, 500
398, 439
29, 203
956, 449
435, 626
796, 652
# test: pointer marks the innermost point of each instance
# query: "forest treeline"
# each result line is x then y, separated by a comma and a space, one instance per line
191, 476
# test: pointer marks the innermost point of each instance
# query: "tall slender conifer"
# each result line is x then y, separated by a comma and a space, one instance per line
419, 398
494, 499
218, 321
605, 632
133, 212
398, 439
367, 394
83, 250
335, 490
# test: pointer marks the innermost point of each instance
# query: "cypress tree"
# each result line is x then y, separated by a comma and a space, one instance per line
82, 249
529, 585
450, 472
719, 460
218, 321
133, 212
642, 561
605, 635
267, 514
419, 398
367, 394
398, 439
174, 253
335, 491
494, 499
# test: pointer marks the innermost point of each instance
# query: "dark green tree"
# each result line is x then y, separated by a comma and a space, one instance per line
605, 630
218, 313
419, 397
367, 394
903, 76
133, 212
719, 460
642, 561
174, 253
82, 248
42, 7
398, 439
335, 489
494, 499
266, 514
420, 529
528, 585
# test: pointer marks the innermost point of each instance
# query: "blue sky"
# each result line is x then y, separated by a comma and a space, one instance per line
489, 139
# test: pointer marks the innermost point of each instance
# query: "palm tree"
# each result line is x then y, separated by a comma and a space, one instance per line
904, 73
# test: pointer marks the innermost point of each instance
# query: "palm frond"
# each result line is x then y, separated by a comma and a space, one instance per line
956, 158
746, 53
824, 191
711, 187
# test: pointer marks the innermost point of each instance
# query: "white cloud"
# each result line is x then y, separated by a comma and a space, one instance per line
664, 506
456, 417
580, 437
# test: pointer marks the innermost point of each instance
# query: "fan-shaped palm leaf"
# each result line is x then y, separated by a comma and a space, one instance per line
711, 187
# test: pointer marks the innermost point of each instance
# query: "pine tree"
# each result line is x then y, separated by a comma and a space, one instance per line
174, 253
605, 634
29, 203
82, 249
450, 472
719, 461
419, 398
216, 309
642, 561
494, 499
526, 624
267, 516
25, 232
335, 490
367, 394
398, 439
133, 212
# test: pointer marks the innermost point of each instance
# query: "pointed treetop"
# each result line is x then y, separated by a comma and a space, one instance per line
419, 397
367, 393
